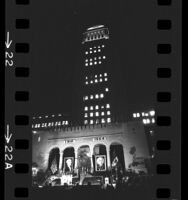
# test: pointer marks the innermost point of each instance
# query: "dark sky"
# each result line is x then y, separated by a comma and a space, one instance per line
57, 28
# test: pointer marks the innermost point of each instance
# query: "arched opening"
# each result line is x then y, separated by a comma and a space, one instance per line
84, 159
53, 162
68, 160
117, 158
99, 158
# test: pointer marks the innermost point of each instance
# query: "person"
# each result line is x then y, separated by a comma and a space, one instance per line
100, 164
68, 165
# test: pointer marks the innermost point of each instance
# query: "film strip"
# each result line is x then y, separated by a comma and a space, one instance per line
18, 140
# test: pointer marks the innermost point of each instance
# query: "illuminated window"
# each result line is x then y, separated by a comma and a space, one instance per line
90, 48
108, 112
153, 120
102, 107
138, 114
91, 107
106, 79
100, 75
107, 105
102, 113
86, 98
146, 114
101, 95
90, 59
95, 58
106, 89
91, 82
96, 107
97, 114
86, 83
99, 50
105, 74
103, 120
86, 64
108, 120
95, 63
96, 96
144, 121
96, 81
143, 114
134, 115
91, 96
102, 46
104, 57
95, 51
85, 121
152, 112
86, 108
100, 79
99, 57
86, 77
148, 121
86, 52
90, 63
91, 121
100, 62
86, 115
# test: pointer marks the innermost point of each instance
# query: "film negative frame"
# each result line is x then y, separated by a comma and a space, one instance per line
167, 62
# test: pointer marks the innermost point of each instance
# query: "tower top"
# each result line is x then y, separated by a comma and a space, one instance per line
95, 27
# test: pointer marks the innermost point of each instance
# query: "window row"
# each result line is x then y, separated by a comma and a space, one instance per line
95, 58
49, 124
96, 96
96, 81
96, 114
96, 107
97, 76
97, 121
94, 49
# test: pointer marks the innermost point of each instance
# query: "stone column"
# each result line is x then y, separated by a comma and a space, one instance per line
91, 157
108, 157
76, 160
60, 161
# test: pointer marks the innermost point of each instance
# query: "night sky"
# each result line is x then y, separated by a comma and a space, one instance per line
57, 28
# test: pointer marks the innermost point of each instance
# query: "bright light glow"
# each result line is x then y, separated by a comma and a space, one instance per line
96, 107
91, 96
103, 46
101, 95
85, 121
99, 57
95, 58
106, 89
86, 115
144, 121
95, 63
153, 120
105, 74
90, 63
152, 112
96, 81
148, 121
100, 75
86, 77
97, 114
100, 79
108, 112
143, 114
86, 64
134, 115
102, 107
91, 82
104, 57
138, 114
100, 62
146, 114
91, 114
99, 50
90, 48
107, 105
106, 79
90, 59
90, 52
108, 120
91, 107
102, 113
96, 96
91, 121
95, 76
95, 51
103, 120
86, 97
86, 83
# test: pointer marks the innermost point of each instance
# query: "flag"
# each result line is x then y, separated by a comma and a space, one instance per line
54, 166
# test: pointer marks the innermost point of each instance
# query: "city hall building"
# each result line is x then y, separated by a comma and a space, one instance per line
99, 145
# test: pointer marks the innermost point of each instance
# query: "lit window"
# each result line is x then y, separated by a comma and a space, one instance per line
100, 75
144, 121
86, 115
143, 114
107, 105
90, 63
106, 89
102, 46
106, 79
134, 115
96, 81
86, 52
91, 107
138, 114
96, 96
152, 112
86, 98
86, 64
90, 59
100, 79
148, 121
91, 82
96, 107
97, 114
103, 120
104, 57
108, 120
153, 120
99, 57
102, 107
86, 77
105, 74
91, 121
85, 121
95, 51
95, 76
101, 95
100, 62
86, 108
95, 58
97, 121
108, 112
102, 113
95, 63
91, 96
90, 48
99, 50
146, 114
86, 83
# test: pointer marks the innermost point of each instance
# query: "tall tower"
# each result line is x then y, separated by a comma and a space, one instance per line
96, 76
